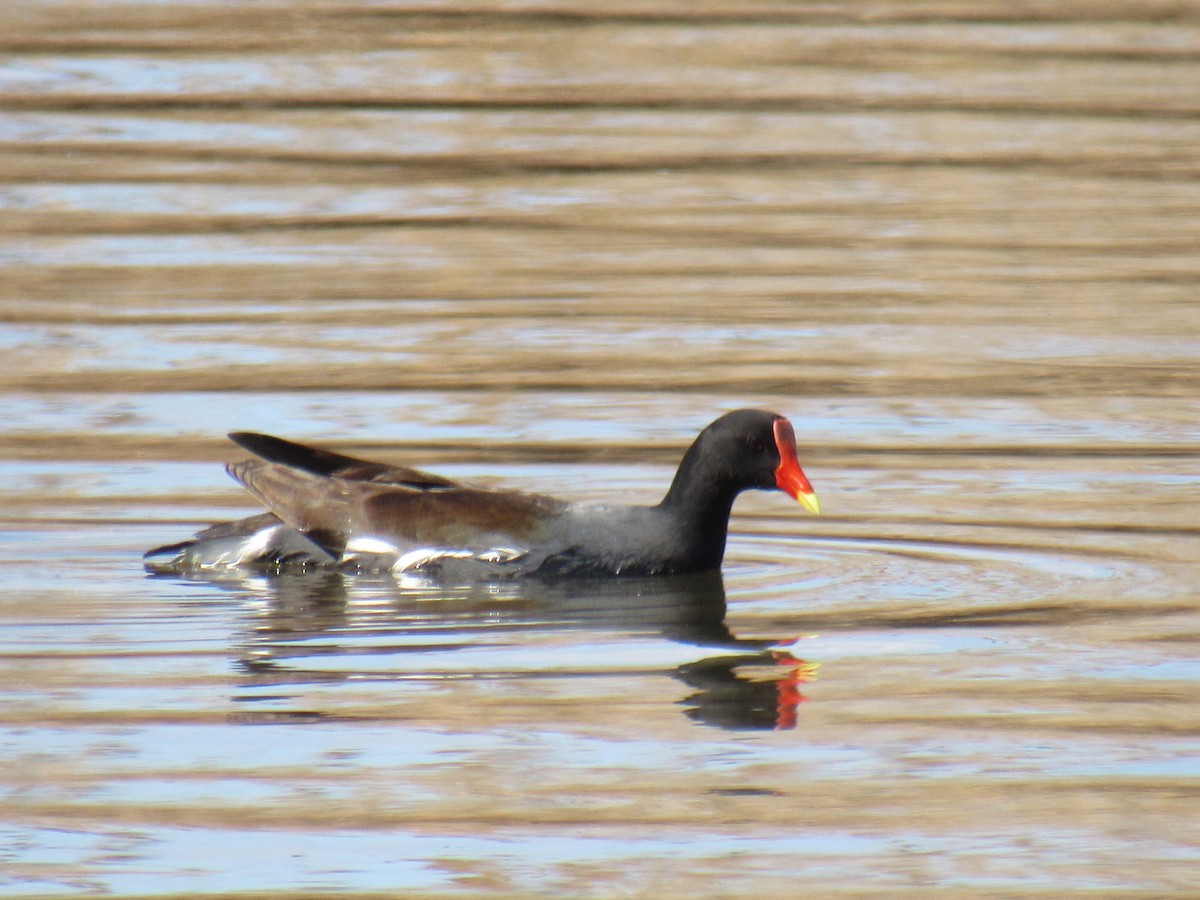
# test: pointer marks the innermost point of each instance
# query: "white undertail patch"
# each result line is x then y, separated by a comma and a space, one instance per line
253, 549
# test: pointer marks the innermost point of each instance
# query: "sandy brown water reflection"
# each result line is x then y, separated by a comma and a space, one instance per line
542, 248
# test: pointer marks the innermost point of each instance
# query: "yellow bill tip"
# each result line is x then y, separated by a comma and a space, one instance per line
810, 502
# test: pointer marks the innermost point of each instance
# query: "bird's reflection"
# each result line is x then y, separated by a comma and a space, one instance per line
746, 692
302, 620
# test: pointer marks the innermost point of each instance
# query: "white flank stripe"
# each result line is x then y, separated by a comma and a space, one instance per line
370, 545
414, 559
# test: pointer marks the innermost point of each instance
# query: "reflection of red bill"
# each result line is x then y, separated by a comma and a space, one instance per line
789, 477
787, 688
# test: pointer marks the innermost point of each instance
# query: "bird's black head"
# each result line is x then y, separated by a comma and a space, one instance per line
747, 448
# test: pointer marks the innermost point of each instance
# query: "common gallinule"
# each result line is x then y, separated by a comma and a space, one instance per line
332, 510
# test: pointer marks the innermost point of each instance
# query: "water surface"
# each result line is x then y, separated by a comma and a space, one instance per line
543, 248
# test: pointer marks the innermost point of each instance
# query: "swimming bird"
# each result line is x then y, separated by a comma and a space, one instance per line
329, 510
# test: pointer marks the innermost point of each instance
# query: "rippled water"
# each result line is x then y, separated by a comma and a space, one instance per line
543, 248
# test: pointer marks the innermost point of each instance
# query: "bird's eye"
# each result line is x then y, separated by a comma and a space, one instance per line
756, 445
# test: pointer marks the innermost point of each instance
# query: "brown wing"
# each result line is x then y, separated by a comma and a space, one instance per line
335, 465
331, 510
465, 517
